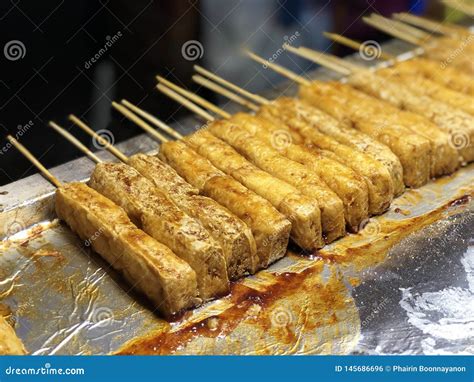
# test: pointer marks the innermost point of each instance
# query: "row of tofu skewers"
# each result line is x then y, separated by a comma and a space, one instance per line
223, 202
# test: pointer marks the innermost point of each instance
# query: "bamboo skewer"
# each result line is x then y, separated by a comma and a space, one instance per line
226, 93
76, 142
258, 99
389, 29
134, 118
431, 25
171, 93
108, 146
461, 6
44, 171
187, 103
334, 63
201, 102
331, 62
277, 68
254, 97
189, 95
356, 45
150, 118
405, 28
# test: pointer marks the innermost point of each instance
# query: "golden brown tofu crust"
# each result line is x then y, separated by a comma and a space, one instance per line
302, 211
413, 152
342, 131
270, 229
154, 212
447, 76
271, 161
10, 344
444, 159
457, 123
149, 266
234, 236
346, 184
168, 178
378, 179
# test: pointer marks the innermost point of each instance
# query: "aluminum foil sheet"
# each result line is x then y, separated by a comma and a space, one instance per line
402, 285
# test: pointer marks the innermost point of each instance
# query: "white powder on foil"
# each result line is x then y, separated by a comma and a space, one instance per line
447, 314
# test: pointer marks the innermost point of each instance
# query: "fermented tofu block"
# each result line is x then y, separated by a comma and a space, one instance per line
447, 76
423, 86
302, 211
149, 266
457, 123
270, 229
346, 184
234, 236
307, 182
154, 212
444, 156
228, 230
377, 177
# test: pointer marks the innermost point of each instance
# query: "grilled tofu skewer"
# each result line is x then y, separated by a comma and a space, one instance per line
375, 163
443, 50
285, 160
280, 169
155, 213
444, 27
264, 162
422, 148
443, 117
422, 67
148, 265
420, 85
232, 234
270, 229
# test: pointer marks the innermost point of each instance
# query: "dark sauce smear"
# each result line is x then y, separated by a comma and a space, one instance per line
241, 297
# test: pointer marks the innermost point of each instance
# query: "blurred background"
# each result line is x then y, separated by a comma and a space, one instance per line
76, 57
